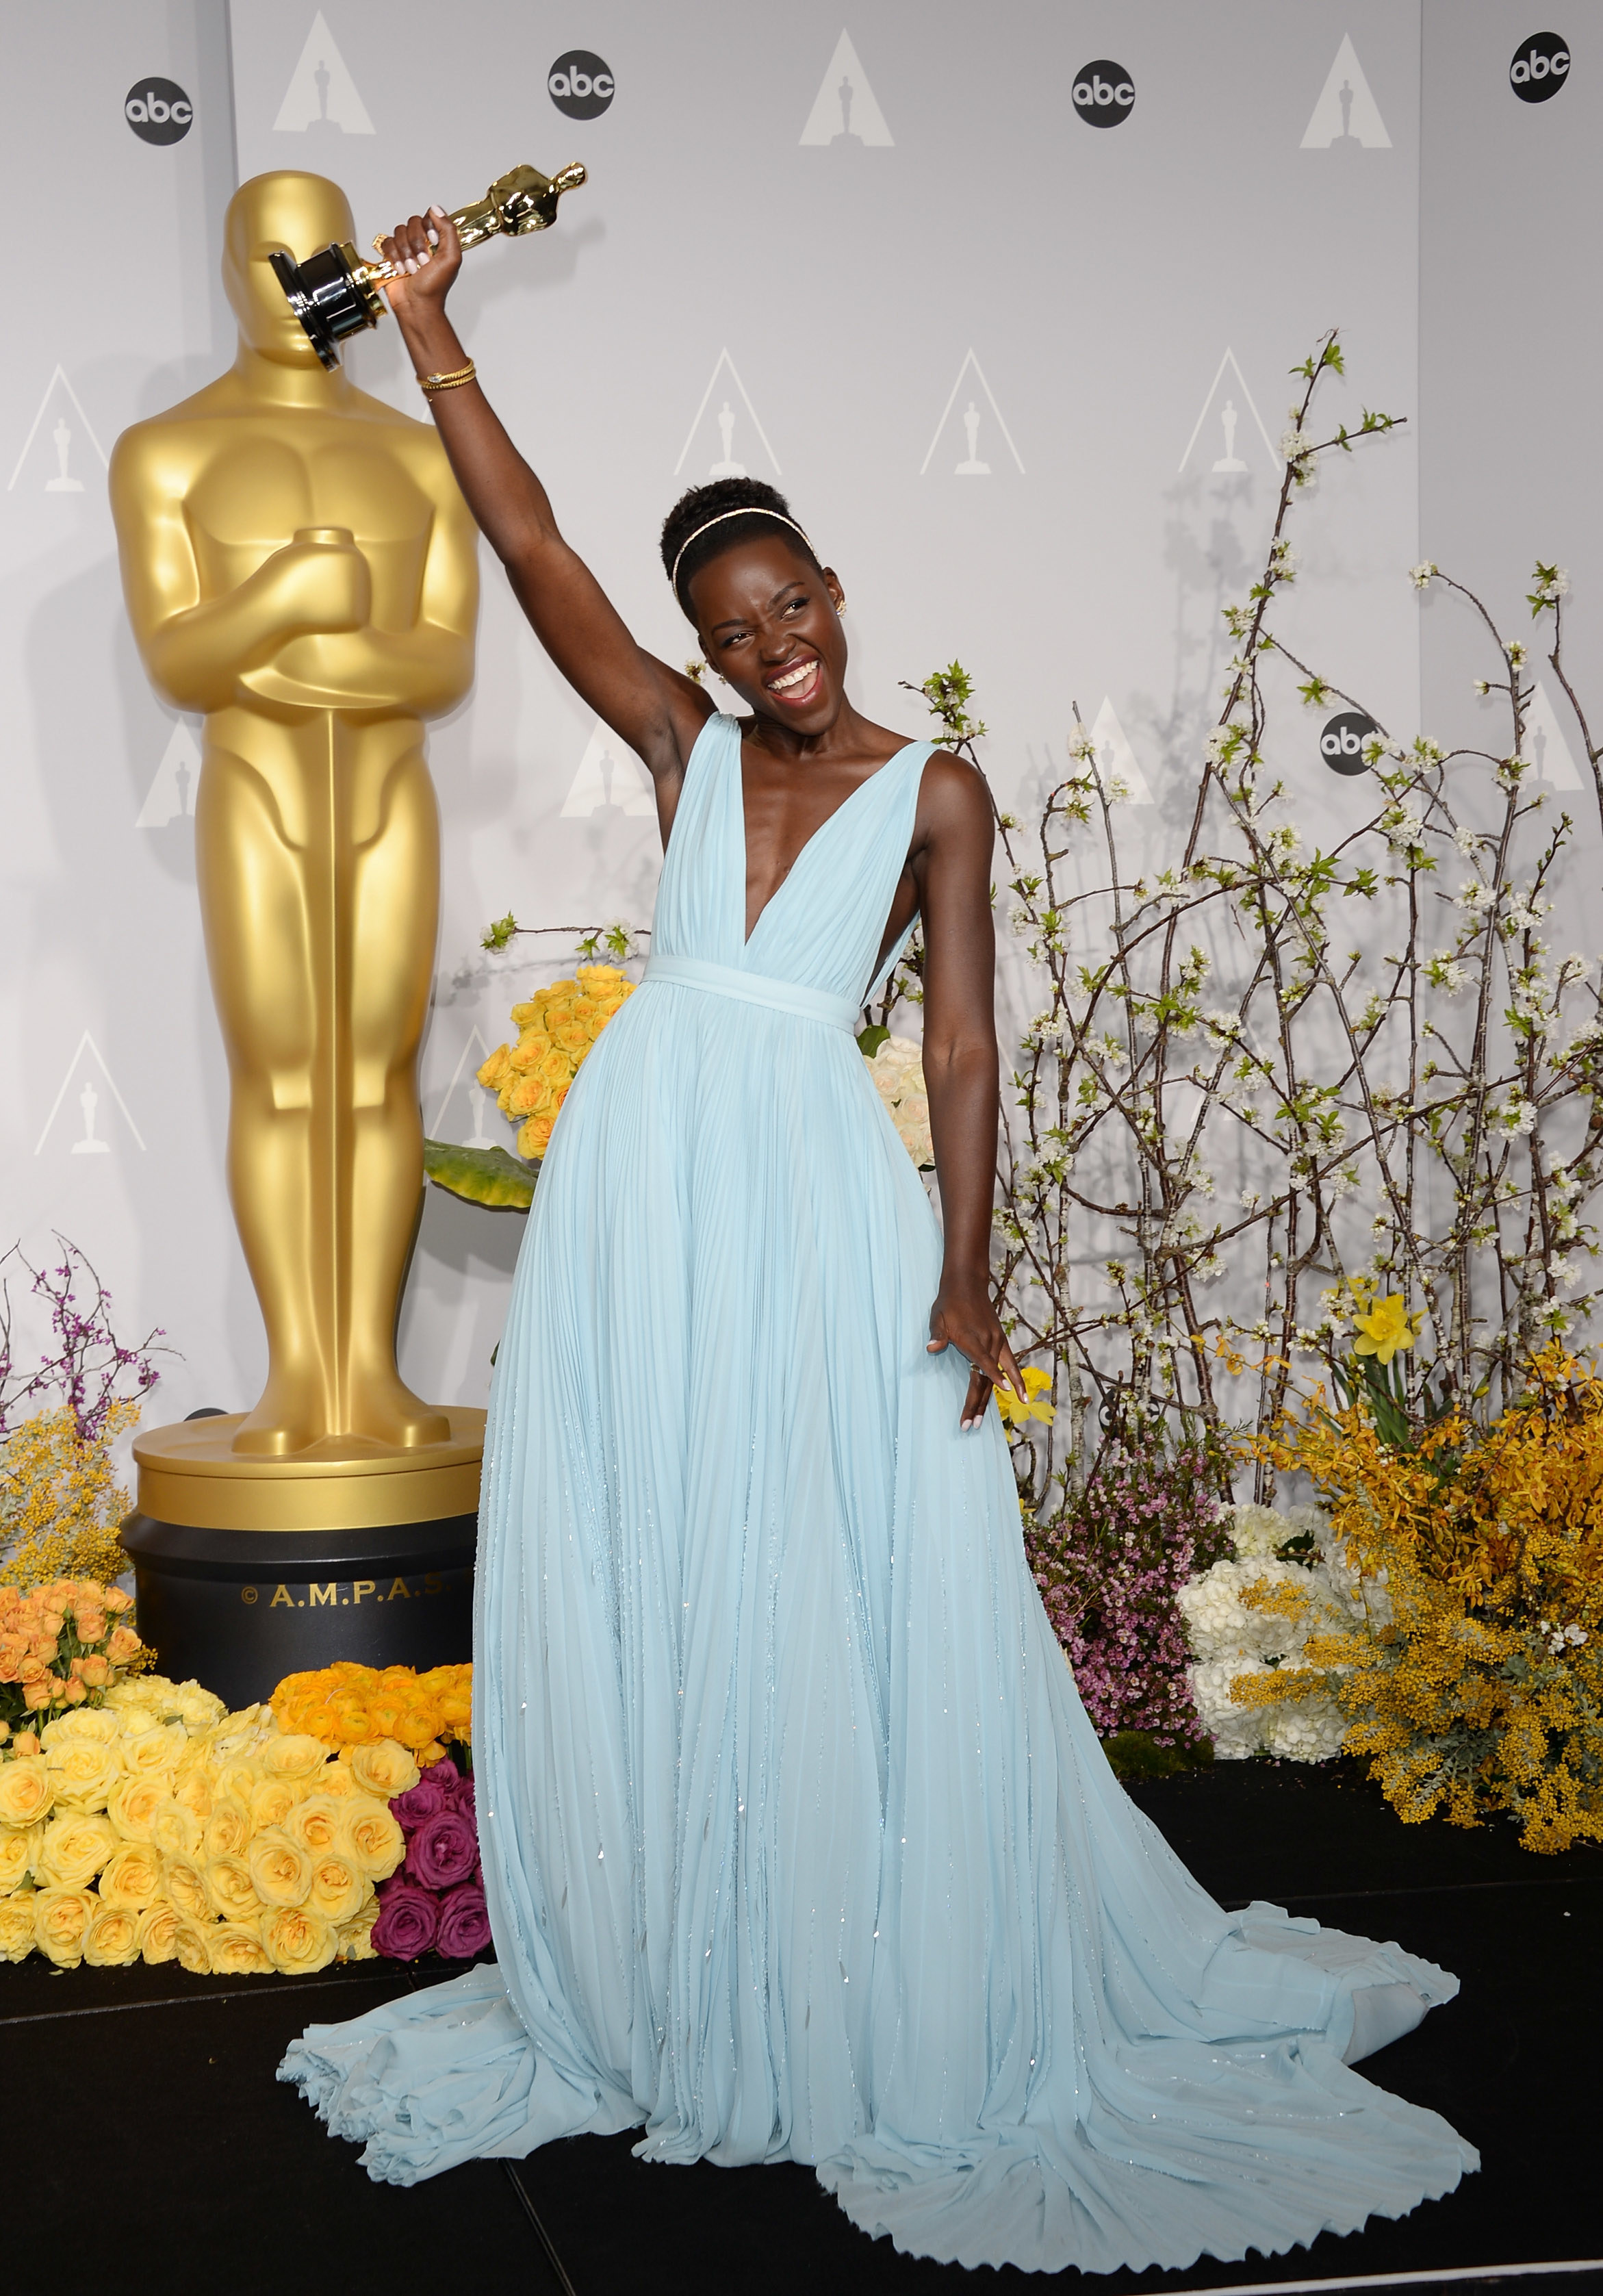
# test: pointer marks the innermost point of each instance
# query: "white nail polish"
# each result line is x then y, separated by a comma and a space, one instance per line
423, 257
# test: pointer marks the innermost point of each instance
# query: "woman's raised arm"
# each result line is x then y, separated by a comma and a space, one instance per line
654, 709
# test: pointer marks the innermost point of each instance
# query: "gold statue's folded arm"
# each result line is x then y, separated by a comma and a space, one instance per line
298, 627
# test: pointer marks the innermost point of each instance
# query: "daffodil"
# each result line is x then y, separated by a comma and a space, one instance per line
1386, 1328
1036, 1384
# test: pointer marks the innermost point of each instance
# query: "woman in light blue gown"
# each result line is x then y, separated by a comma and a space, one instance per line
798, 1842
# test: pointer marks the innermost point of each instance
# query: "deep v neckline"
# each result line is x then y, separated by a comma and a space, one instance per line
807, 842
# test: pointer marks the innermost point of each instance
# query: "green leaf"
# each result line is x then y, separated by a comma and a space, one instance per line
481, 1175
870, 1039
500, 932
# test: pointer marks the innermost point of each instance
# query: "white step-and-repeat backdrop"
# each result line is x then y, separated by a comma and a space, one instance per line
1005, 302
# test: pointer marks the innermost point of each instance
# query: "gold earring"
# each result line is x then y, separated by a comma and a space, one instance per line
840, 605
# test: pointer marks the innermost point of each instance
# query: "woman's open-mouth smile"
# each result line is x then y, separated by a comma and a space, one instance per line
797, 684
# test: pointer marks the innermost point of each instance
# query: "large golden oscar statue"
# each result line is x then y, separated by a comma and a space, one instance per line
299, 566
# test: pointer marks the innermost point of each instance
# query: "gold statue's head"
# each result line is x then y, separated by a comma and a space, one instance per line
287, 212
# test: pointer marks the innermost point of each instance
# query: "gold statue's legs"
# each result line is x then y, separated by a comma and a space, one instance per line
319, 870
395, 916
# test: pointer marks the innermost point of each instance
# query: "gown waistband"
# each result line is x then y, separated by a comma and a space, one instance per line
755, 988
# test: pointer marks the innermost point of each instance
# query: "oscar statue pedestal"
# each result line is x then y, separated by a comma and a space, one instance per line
247, 1569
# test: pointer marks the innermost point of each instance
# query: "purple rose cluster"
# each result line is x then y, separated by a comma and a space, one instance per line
437, 1898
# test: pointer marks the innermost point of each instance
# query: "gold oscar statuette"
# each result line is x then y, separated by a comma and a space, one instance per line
334, 293
301, 569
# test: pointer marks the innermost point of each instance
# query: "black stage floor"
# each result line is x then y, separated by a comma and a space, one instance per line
151, 2147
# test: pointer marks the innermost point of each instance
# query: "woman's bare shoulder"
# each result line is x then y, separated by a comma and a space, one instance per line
953, 795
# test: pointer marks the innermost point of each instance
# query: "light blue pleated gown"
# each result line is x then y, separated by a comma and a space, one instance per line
797, 1841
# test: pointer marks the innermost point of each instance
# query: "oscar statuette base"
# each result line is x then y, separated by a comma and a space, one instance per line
249, 1569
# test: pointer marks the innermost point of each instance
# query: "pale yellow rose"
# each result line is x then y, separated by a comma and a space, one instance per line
194, 1791
280, 1869
198, 1710
132, 1805
16, 1926
176, 1831
298, 1940
85, 1771
297, 1756
353, 1939
150, 1691
338, 1889
132, 1878
372, 1838
77, 1844
182, 1881
153, 1753
111, 1940
237, 1736
316, 1823
235, 1780
384, 1770
18, 1855
227, 1829
60, 1923
159, 1931
271, 1803
336, 1782
91, 1722
190, 1947
136, 1720
230, 1891
237, 1951
27, 1789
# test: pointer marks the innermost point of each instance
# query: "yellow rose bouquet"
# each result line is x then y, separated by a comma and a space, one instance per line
155, 1826
557, 1027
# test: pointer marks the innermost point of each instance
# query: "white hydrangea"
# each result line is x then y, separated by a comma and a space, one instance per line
1237, 1731
897, 1071
1230, 1640
1303, 1729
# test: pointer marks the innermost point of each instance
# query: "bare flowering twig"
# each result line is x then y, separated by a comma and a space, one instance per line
91, 1368
1263, 1082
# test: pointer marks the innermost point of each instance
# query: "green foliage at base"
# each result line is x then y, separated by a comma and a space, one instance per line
1137, 1754
481, 1175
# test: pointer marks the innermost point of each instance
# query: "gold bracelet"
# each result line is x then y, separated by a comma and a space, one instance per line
430, 383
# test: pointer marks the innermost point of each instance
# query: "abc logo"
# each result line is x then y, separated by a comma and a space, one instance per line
158, 110
580, 85
1103, 93
1341, 744
1540, 68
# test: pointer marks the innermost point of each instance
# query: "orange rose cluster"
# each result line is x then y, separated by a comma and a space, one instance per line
347, 1705
557, 1027
59, 1646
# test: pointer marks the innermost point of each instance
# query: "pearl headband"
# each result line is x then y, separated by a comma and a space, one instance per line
747, 510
